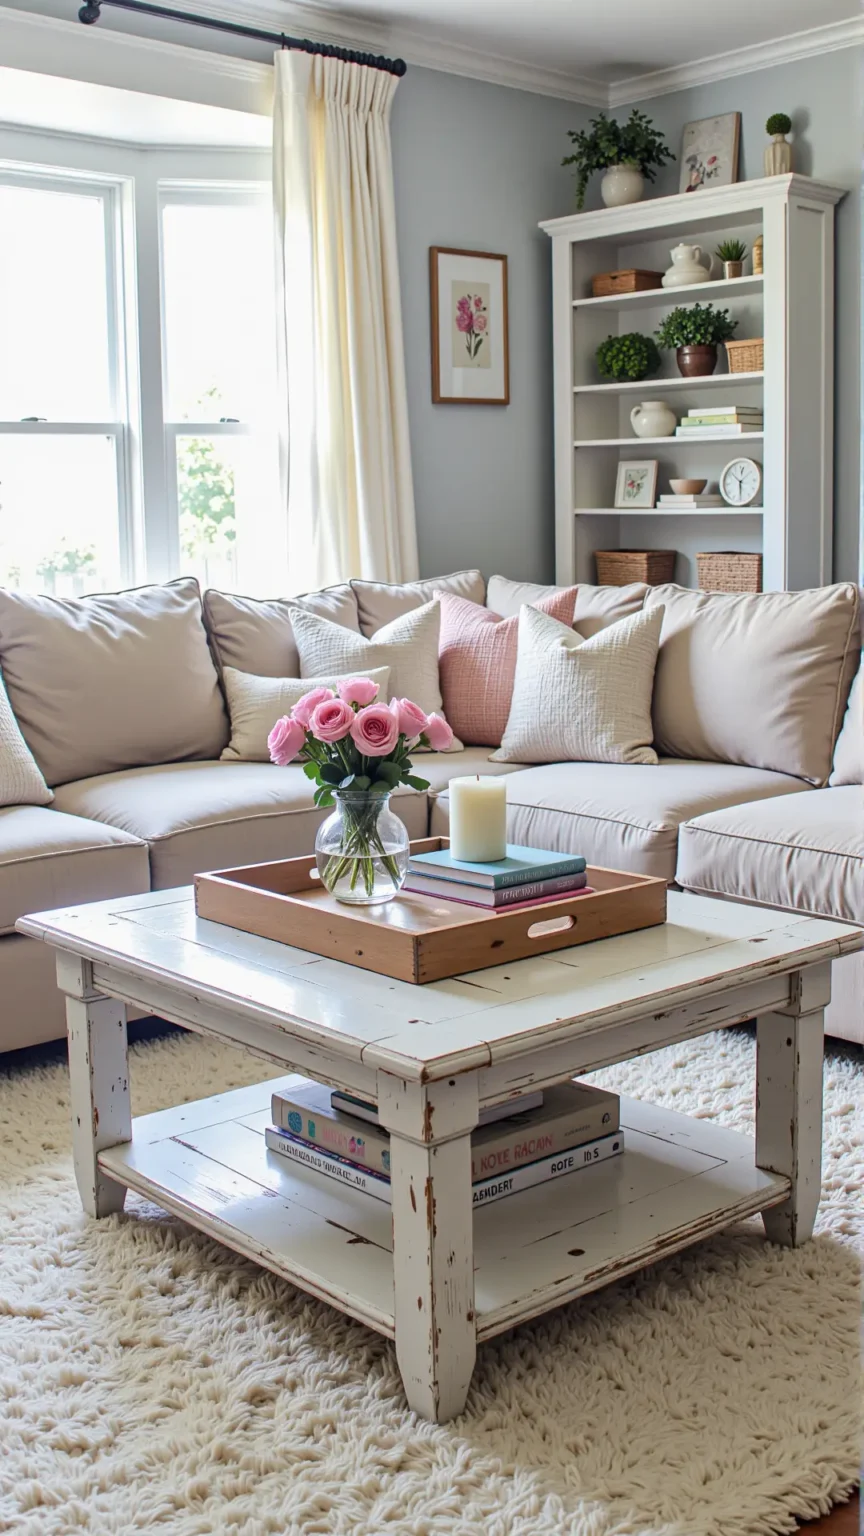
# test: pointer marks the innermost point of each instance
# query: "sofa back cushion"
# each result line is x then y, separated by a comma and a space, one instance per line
756, 679
118, 680
477, 662
594, 609
254, 634
849, 752
380, 602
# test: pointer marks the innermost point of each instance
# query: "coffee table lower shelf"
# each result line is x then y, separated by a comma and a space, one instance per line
678, 1181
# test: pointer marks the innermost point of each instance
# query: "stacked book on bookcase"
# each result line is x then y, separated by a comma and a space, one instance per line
701, 499
530, 1140
721, 421
525, 877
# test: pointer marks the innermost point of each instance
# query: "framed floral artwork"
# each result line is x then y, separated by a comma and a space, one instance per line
709, 152
470, 346
636, 486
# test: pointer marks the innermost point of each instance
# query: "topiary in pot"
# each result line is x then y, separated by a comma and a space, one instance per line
778, 156
627, 357
693, 332
628, 153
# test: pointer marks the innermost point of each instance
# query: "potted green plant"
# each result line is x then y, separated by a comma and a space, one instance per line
778, 156
694, 333
627, 357
628, 154
731, 253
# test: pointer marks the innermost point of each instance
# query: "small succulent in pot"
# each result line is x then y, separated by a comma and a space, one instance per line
636, 147
694, 331
732, 254
632, 356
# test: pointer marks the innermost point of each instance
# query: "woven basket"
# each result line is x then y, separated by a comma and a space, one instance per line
618, 567
728, 571
746, 356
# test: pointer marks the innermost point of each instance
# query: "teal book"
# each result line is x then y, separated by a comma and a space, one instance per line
520, 866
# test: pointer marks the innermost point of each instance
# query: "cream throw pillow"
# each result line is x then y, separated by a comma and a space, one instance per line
21, 782
849, 752
256, 703
408, 646
578, 700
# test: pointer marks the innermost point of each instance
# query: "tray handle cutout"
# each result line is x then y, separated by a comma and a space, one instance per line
552, 925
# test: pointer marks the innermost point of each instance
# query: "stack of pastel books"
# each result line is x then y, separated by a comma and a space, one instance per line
526, 877
530, 1140
721, 421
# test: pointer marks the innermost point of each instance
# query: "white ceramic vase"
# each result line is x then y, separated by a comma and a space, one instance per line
622, 184
686, 268
653, 418
778, 156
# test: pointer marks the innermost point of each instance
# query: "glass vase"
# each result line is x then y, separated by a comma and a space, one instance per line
362, 849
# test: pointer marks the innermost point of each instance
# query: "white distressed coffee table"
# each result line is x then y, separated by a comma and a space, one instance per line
439, 1278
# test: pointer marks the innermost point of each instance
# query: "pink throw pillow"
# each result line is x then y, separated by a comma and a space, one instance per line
477, 663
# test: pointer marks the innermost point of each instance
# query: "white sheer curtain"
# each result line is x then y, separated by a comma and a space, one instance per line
347, 460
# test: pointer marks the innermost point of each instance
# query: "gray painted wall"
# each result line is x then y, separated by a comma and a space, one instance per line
822, 95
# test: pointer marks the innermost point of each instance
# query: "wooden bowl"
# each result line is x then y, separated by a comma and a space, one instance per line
688, 487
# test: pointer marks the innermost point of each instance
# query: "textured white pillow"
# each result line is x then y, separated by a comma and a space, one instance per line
21, 781
849, 752
256, 703
408, 646
578, 700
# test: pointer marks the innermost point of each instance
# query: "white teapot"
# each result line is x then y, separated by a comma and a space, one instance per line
653, 418
686, 267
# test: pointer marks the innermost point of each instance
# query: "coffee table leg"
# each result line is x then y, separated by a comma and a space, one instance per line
789, 1104
99, 1083
433, 1250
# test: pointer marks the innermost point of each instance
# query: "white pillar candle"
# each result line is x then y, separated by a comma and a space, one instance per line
478, 819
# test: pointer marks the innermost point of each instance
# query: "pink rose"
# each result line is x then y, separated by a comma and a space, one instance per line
286, 739
302, 710
464, 303
438, 734
331, 720
375, 731
409, 717
478, 302
480, 322
359, 690
464, 321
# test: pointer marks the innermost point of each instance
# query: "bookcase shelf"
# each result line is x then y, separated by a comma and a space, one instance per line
790, 306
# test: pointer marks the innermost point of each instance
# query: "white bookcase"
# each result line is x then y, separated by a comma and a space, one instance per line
791, 305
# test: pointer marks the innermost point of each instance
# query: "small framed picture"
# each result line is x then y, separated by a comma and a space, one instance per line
636, 486
470, 346
709, 152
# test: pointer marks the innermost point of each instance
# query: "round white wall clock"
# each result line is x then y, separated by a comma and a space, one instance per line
741, 482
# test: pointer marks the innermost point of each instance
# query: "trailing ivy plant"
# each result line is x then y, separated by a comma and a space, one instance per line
697, 325
778, 122
627, 357
607, 142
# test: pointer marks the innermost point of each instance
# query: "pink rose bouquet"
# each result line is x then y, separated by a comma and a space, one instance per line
353, 745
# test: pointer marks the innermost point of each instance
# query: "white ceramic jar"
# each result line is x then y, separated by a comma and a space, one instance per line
622, 184
687, 267
653, 418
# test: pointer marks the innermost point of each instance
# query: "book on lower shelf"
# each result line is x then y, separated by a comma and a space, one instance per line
570, 1113
483, 1191
732, 430
363, 1109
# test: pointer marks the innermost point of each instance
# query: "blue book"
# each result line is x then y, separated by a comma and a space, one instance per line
520, 866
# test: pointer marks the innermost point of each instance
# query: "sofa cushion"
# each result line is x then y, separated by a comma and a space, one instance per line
256, 703
477, 663
198, 816
848, 767
21, 782
803, 852
621, 815
595, 607
380, 602
50, 860
759, 679
582, 700
438, 768
255, 635
112, 681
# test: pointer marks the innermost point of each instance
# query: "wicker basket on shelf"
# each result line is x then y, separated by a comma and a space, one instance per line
729, 571
746, 356
618, 567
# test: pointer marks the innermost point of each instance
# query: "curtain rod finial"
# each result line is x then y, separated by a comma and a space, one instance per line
90, 12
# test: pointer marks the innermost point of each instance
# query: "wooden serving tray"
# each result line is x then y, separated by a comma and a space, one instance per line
420, 938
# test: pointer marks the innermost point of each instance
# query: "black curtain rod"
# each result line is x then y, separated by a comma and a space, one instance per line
92, 11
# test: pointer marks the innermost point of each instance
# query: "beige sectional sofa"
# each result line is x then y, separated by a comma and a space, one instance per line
118, 698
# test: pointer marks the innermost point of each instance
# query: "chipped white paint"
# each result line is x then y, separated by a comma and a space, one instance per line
433, 1056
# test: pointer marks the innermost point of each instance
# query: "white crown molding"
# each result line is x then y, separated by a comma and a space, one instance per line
739, 61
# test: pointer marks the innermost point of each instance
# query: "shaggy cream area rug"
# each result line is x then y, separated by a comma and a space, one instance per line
151, 1381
